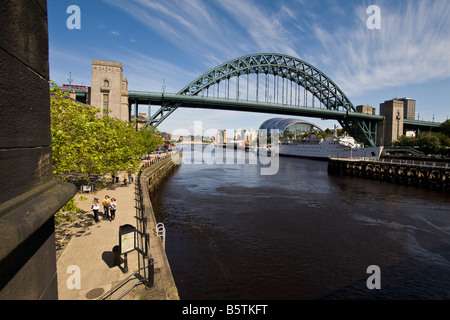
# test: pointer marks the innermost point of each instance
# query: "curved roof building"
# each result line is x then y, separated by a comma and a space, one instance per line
288, 127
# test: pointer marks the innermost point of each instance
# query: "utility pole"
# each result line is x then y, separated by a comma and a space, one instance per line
70, 81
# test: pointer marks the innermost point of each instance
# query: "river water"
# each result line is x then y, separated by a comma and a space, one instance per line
233, 233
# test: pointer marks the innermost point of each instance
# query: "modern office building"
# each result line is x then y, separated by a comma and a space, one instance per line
409, 108
221, 137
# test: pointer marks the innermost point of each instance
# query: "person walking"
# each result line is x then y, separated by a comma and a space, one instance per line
113, 207
106, 205
95, 207
130, 178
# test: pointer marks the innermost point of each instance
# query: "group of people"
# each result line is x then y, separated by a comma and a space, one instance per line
109, 204
109, 208
116, 178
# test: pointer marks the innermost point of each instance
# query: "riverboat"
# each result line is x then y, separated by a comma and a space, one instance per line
333, 147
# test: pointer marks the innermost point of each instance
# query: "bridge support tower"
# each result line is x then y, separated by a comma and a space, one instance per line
109, 89
391, 127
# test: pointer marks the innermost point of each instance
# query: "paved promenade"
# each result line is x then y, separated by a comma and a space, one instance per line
90, 254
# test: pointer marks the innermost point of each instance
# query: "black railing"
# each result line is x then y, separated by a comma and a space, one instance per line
145, 272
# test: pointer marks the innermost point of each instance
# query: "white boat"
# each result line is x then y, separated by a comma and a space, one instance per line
333, 147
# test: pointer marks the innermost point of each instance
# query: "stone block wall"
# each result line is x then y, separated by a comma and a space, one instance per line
29, 196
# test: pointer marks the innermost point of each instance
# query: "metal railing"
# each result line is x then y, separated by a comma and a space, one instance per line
146, 264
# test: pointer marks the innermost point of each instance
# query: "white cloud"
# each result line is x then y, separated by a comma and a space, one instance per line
188, 25
413, 46
266, 30
199, 28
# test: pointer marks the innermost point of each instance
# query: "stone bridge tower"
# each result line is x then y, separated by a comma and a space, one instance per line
109, 89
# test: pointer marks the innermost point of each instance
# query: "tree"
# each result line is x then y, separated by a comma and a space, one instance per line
87, 144
445, 128
150, 139
74, 130
405, 141
429, 142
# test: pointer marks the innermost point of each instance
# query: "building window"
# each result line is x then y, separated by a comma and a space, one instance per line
106, 83
105, 102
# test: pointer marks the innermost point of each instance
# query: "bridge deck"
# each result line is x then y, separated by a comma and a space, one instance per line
253, 106
242, 105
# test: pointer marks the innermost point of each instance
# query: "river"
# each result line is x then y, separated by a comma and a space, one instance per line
233, 233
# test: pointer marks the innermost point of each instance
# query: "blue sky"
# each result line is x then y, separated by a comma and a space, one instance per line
175, 41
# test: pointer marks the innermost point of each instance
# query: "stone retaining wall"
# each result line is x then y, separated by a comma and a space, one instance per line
165, 287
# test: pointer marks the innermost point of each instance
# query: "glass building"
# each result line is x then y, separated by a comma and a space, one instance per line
289, 128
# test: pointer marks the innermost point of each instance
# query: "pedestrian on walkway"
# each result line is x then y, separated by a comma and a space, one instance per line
113, 208
106, 205
95, 207
130, 178
117, 177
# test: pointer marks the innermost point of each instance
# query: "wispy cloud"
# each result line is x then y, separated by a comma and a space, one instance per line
265, 28
188, 25
200, 28
412, 46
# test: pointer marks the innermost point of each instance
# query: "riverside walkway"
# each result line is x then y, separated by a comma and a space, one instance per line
85, 267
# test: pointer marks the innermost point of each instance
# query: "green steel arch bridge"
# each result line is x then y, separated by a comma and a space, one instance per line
265, 83
268, 83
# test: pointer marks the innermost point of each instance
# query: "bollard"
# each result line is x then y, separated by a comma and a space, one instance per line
151, 263
151, 272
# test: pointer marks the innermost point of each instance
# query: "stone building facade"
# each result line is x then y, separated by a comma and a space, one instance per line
391, 128
109, 89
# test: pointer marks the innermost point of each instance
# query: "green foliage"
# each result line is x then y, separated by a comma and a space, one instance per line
64, 212
445, 128
87, 143
405, 141
70, 206
101, 186
428, 142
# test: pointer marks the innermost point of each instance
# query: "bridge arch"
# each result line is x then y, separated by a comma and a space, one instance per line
288, 67
294, 70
